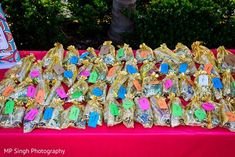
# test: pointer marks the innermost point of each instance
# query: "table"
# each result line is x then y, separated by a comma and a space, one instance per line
117, 141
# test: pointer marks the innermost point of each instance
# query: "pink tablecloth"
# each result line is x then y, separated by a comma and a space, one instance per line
118, 141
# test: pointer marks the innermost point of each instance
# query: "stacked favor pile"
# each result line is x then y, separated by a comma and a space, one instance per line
153, 87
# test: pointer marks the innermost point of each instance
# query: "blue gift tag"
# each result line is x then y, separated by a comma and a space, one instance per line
48, 113
164, 68
97, 91
183, 67
122, 92
93, 119
217, 83
84, 55
131, 69
74, 60
68, 74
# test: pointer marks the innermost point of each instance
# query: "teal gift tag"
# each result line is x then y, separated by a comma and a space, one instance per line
84, 55
122, 92
74, 60
217, 83
97, 91
68, 74
164, 68
131, 69
48, 113
183, 68
93, 119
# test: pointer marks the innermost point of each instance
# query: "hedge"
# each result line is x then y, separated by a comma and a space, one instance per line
37, 24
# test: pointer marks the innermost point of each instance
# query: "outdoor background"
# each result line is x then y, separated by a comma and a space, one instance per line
37, 24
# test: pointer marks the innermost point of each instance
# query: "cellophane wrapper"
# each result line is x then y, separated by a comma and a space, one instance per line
124, 53
144, 53
144, 117
101, 86
161, 115
14, 119
94, 106
186, 87
191, 113
128, 112
177, 111
228, 112
78, 91
113, 112
171, 79
152, 86
163, 52
107, 53
30, 125
55, 121
78, 122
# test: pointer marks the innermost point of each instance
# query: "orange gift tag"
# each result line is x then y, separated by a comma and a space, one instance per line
112, 71
144, 54
231, 116
154, 82
8, 90
137, 85
40, 96
190, 81
162, 103
208, 67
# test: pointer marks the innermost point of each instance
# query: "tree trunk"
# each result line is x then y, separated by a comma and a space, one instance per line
120, 23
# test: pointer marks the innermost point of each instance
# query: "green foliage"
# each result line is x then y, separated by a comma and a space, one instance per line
186, 21
90, 17
37, 24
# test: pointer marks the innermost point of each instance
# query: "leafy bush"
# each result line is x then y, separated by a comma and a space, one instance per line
37, 24
172, 21
91, 17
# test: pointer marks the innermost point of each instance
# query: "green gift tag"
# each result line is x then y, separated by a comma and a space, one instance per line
200, 114
114, 109
233, 84
74, 112
128, 104
120, 52
9, 108
93, 77
76, 94
177, 110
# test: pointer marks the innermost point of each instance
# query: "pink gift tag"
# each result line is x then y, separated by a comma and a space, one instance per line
31, 91
34, 73
31, 114
61, 93
168, 84
144, 103
208, 106
85, 73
